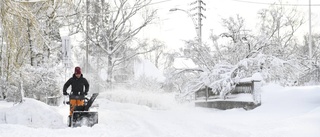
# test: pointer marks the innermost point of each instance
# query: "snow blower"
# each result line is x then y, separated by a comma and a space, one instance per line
79, 111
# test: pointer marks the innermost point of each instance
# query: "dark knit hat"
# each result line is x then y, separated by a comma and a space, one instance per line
77, 70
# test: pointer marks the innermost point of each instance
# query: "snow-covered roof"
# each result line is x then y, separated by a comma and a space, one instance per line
146, 68
254, 77
184, 63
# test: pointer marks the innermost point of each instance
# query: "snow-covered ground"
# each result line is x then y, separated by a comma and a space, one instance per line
285, 112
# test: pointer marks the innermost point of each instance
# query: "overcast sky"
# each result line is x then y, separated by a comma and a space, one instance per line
173, 27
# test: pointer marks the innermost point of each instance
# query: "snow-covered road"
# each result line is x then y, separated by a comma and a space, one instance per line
282, 115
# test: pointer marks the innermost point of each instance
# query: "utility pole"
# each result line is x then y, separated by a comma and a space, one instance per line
2, 50
87, 37
310, 35
199, 17
2, 67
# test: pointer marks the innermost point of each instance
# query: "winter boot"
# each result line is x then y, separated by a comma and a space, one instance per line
69, 121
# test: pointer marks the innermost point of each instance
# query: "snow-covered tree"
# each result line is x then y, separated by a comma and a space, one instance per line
111, 28
239, 53
278, 27
156, 55
40, 82
200, 54
31, 31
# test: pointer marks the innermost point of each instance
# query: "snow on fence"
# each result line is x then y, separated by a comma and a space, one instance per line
51, 100
246, 95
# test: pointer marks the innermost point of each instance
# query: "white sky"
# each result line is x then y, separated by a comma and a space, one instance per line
173, 27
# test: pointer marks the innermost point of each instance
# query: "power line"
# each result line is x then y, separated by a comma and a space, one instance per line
252, 2
163, 1
159, 2
153, 3
278, 4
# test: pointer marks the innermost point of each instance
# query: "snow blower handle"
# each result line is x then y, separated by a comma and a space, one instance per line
64, 100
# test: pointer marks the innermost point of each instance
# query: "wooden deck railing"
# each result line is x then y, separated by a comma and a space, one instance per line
242, 87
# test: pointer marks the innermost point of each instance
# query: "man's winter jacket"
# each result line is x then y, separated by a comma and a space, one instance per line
77, 85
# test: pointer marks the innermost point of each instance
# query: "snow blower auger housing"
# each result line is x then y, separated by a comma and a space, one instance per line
79, 111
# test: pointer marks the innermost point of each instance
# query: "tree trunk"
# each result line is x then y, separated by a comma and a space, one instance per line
30, 43
109, 72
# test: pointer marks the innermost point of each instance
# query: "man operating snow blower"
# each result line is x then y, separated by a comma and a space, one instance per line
79, 104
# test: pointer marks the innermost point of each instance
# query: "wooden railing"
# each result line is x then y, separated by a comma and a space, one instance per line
242, 87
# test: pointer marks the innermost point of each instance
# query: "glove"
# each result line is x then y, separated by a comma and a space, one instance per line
65, 93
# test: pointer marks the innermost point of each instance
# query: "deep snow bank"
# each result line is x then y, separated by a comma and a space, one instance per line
31, 113
290, 100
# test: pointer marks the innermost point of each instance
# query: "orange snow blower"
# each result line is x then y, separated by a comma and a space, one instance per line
79, 111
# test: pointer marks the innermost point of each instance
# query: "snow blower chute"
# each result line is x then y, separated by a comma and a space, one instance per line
79, 111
